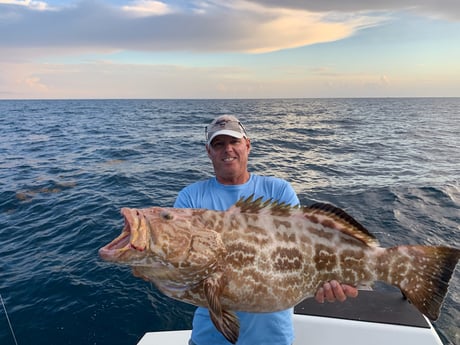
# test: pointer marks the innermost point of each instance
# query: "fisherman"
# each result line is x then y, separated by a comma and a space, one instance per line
228, 147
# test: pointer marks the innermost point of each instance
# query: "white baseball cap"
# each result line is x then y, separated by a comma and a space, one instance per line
225, 125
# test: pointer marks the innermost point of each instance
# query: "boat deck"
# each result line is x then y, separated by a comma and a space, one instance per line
372, 318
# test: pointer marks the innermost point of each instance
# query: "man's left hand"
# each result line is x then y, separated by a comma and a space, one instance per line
333, 290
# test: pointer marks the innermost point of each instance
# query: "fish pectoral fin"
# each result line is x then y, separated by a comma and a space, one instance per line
225, 321
228, 325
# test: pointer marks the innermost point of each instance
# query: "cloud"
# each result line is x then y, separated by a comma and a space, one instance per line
120, 81
147, 8
384, 80
105, 79
42, 43
446, 8
35, 5
231, 26
35, 83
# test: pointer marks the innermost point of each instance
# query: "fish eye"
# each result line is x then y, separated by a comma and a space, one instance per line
166, 215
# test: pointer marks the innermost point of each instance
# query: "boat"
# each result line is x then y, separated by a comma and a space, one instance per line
374, 317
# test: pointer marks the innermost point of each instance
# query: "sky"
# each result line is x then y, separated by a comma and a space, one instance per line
211, 49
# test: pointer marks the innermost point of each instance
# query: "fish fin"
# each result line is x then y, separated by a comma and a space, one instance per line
428, 273
228, 325
251, 205
352, 228
225, 321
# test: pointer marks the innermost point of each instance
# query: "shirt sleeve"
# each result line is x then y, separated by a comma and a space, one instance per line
279, 190
289, 196
184, 200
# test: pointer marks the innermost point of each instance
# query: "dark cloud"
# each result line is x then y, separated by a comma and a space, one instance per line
447, 8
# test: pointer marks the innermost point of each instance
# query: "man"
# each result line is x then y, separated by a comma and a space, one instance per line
228, 146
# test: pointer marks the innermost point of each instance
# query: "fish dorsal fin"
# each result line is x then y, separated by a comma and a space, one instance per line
348, 226
249, 205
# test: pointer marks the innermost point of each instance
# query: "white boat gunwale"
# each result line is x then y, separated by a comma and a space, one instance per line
380, 318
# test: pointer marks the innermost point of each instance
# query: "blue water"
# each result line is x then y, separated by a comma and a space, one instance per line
67, 167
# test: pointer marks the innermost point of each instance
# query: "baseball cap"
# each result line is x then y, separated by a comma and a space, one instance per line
225, 125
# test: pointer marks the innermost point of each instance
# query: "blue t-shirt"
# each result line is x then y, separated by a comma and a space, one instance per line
255, 328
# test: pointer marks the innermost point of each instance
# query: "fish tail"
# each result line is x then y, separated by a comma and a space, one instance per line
422, 273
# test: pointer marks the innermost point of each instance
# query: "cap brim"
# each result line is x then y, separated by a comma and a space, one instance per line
231, 133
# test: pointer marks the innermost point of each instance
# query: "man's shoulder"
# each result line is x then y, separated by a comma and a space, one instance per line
191, 195
275, 188
272, 180
198, 185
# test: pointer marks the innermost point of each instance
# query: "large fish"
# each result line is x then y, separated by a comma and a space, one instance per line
267, 256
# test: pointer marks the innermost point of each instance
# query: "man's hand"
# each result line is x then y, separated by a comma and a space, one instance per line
332, 291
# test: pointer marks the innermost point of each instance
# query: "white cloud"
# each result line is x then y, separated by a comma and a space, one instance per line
35, 84
147, 8
384, 80
35, 5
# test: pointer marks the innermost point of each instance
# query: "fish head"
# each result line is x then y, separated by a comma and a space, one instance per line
165, 239
152, 235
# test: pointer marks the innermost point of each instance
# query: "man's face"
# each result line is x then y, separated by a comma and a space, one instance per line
229, 157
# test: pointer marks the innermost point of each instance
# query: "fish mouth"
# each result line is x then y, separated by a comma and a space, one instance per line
114, 249
133, 237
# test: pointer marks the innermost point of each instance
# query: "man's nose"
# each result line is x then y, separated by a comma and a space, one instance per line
228, 147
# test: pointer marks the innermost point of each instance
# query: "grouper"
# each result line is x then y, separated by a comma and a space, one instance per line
264, 256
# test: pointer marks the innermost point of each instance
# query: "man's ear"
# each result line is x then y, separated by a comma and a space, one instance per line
208, 151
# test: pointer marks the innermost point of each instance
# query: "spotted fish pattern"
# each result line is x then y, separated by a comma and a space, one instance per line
265, 256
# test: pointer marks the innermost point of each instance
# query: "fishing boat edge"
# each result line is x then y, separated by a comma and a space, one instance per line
380, 318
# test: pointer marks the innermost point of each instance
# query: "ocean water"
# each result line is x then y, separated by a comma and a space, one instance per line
67, 167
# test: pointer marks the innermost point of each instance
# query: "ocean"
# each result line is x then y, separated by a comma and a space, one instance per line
68, 166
